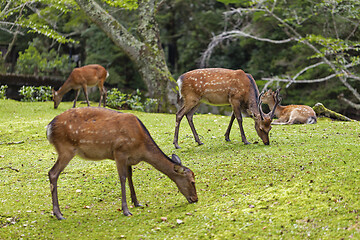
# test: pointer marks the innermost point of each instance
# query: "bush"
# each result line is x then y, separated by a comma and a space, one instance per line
3, 91
35, 94
119, 100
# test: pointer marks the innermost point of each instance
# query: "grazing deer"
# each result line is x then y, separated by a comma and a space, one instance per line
89, 75
96, 133
291, 114
218, 86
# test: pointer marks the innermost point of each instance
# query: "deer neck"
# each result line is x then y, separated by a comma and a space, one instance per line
160, 161
64, 89
278, 109
253, 108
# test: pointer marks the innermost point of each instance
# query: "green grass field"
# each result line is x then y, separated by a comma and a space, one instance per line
304, 185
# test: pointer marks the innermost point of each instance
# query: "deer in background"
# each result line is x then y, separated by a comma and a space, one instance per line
89, 75
291, 114
218, 86
96, 133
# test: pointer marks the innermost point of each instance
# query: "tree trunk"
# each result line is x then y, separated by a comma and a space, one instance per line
146, 52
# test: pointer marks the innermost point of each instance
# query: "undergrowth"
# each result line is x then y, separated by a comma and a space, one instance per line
304, 185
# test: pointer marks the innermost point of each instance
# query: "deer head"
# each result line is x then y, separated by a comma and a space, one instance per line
263, 120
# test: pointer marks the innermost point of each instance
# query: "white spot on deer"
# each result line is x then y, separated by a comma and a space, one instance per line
179, 83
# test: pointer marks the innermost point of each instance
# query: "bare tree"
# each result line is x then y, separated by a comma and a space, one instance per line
333, 52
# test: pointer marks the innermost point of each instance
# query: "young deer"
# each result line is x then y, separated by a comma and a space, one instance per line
89, 75
220, 86
291, 114
96, 133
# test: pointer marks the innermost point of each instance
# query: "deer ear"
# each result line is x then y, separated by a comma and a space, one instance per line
176, 159
179, 169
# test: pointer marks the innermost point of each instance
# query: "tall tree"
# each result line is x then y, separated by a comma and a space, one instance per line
143, 48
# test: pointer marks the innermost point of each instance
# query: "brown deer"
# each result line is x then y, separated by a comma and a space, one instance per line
96, 133
89, 75
218, 86
291, 114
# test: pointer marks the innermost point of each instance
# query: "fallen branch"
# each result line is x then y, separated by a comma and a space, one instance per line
17, 170
11, 143
321, 110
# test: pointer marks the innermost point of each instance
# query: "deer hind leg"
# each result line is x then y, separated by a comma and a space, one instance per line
179, 116
62, 161
227, 134
189, 117
132, 189
120, 160
103, 95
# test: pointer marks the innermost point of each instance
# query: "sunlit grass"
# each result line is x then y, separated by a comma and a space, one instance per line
305, 184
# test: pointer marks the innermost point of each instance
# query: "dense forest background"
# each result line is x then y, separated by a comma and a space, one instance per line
308, 48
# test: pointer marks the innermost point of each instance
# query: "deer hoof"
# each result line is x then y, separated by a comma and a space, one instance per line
128, 214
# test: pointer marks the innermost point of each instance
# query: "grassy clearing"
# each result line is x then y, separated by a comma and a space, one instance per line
306, 184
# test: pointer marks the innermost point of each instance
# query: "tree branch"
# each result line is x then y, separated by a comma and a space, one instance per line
216, 40
345, 100
113, 29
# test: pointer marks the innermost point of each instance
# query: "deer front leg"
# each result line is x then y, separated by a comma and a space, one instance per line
61, 163
76, 97
227, 134
122, 171
86, 94
132, 189
237, 113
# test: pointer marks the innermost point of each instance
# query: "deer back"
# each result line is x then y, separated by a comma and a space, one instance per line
89, 75
214, 85
95, 133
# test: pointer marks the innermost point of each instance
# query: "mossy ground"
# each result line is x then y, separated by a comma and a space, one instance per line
304, 185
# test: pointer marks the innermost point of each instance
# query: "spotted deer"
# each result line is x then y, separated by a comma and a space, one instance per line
96, 133
89, 75
218, 86
291, 114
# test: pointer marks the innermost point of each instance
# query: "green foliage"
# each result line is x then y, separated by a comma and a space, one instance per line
186, 28
304, 185
119, 100
3, 91
35, 94
44, 63
126, 4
